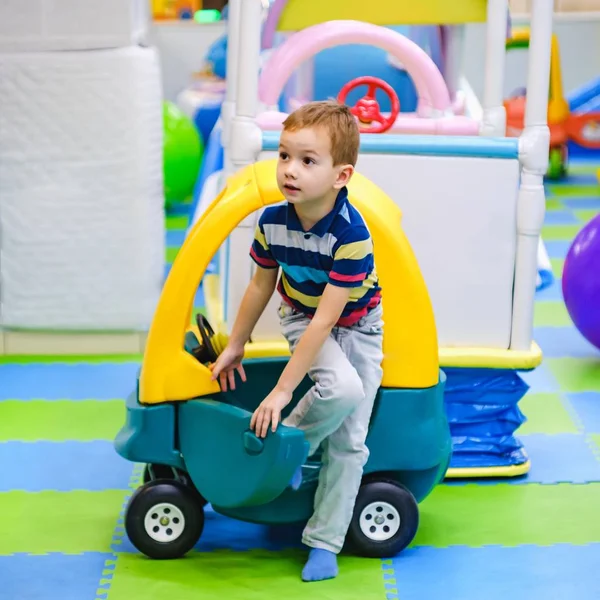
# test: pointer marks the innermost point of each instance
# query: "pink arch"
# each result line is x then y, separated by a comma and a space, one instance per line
271, 22
429, 83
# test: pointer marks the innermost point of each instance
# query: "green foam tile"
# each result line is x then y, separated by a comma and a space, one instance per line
585, 215
551, 314
252, 575
546, 414
554, 204
66, 522
510, 515
576, 374
579, 191
558, 265
173, 222
171, 253
59, 421
560, 232
583, 168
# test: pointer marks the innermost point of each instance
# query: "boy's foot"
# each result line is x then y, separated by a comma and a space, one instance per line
296, 481
321, 564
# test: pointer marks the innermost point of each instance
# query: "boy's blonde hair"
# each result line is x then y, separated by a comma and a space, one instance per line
339, 123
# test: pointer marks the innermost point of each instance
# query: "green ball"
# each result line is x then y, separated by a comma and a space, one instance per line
182, 154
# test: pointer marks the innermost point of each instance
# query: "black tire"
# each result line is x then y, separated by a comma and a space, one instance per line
183, 516
398, 511
154, 472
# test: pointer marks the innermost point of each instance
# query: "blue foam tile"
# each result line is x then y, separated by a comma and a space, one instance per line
560, 342
224, 533
52, 576
62, 466
573, 202
540, 380
560, 217
558, 458
64, 381
175, 237
497, 573
551, 293
587, 407
557, 248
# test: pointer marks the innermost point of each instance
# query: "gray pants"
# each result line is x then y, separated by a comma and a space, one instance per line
335, 414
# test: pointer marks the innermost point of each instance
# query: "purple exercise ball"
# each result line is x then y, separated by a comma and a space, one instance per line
581, 281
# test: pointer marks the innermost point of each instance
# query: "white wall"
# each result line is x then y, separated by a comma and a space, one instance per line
182, 46
579, 49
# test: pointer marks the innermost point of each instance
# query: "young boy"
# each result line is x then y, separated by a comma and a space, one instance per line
330, 314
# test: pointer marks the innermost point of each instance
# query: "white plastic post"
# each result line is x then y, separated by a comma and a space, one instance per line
245, 143
494, 115
533, 152
228, 106
454, 58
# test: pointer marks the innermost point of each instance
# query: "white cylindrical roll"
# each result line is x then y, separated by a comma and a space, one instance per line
81, 189
50, 25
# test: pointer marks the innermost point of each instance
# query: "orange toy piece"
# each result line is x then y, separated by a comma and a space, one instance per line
565, 126
163, 10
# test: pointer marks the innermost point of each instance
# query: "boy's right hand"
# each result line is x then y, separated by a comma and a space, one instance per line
228, 362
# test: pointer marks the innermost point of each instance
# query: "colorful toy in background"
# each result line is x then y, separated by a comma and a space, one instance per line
584, 103
581, 281
182, 154
175, 9
567, 127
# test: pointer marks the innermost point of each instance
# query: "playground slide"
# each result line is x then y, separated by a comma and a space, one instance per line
585, 98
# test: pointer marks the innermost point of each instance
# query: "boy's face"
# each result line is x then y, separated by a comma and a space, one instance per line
305, 170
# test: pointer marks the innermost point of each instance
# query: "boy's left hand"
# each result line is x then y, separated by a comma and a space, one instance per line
269, 412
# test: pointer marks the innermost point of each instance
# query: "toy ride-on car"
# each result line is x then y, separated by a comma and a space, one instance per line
196, 440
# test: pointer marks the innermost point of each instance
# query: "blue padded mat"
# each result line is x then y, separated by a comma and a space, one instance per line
574, 202
52, 576
560, 342
540, 379
176, 237
557, 249
62, 466
77, 381
560, 217
560, 572
587, 408
558, 458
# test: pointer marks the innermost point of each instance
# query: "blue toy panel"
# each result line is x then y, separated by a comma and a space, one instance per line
425, 145
482, 410
335, 67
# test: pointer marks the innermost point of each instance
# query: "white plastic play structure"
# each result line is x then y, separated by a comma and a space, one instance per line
472, 199
82, 223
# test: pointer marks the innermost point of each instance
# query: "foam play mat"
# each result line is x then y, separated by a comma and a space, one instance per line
63, 487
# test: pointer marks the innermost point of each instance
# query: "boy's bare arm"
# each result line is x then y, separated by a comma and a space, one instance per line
331, 306
257, 296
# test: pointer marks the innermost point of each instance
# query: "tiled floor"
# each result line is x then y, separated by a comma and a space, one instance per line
63, 488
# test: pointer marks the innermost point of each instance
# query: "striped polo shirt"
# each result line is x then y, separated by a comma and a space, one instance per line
337, 250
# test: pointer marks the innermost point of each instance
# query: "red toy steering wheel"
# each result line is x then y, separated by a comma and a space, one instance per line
367, 109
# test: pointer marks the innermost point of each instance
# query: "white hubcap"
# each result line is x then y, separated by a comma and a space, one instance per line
379, 521
164, 522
